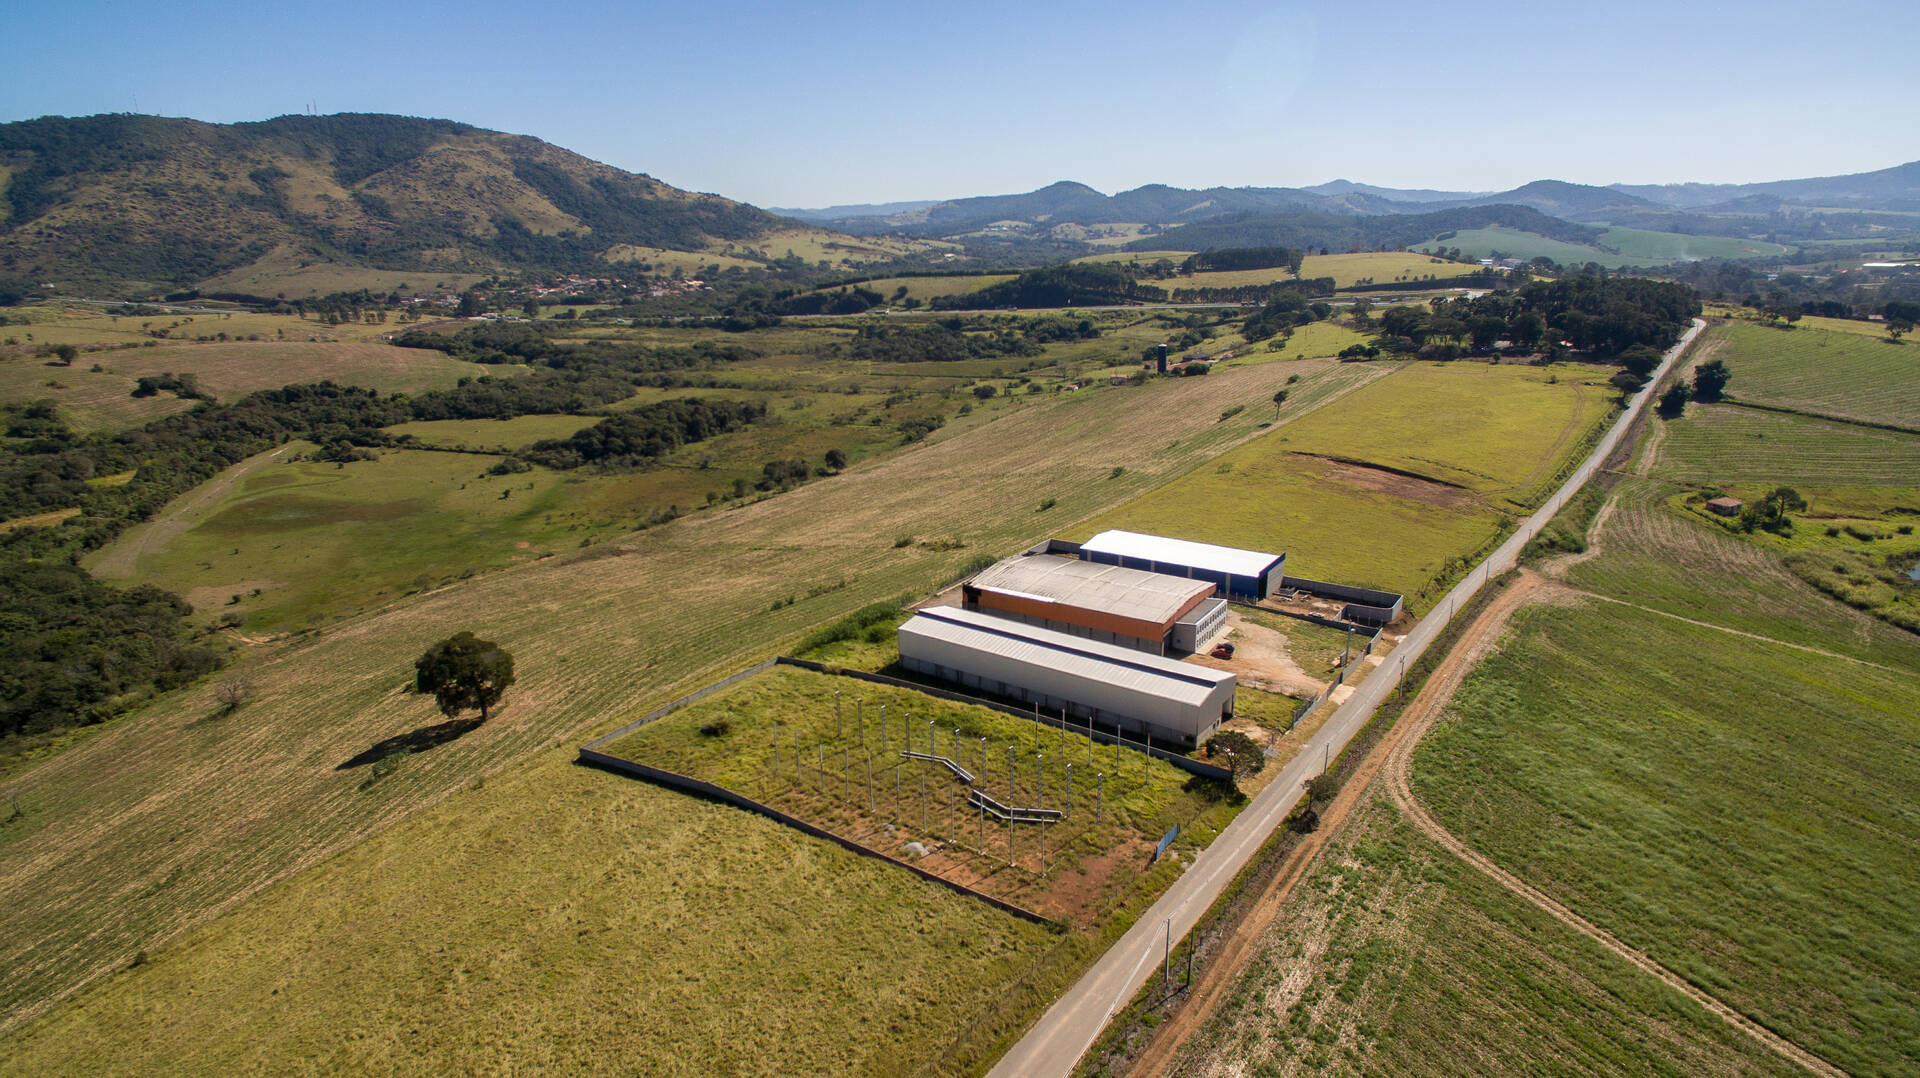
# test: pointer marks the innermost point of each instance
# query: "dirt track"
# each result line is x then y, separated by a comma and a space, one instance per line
1393, 755
1414, 725
1223, 970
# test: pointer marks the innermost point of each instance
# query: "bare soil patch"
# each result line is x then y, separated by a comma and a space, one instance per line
1381, 481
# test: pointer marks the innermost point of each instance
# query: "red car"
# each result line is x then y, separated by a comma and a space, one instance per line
1222, 651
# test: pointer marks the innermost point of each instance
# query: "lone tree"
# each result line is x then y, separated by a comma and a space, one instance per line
1710, 381
464, 672
1279, 399
1241, 753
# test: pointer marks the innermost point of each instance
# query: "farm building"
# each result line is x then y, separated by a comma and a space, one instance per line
1726, 507
1117, 687
1238, 574
1145, 611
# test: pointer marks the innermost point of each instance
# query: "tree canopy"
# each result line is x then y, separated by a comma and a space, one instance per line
464, 672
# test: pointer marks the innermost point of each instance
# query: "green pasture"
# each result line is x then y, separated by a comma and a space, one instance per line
1380, 267
1642, 247
300, 541
1847, 375
926, 289
1727, 445
1315, 340
1393, 957
1738, 809
1513, 243
1490, 440
1331, 528
1494, 429
849, 776
1670, 561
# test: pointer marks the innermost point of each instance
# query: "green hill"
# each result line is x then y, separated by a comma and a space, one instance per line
123, 200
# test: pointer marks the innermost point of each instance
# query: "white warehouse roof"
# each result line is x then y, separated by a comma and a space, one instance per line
1138, 671
1159, 548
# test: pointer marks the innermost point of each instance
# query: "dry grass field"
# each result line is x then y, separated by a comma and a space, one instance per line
296, 275
177, 813
102, 400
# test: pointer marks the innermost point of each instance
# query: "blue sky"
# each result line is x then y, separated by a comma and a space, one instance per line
804, 105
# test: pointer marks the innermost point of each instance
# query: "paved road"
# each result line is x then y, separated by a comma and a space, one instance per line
1056, 1042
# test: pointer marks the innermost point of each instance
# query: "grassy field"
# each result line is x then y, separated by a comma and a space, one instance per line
297, 274
1379, 267
300, 542
1487, 439
1395, 958
560, 920
1841, 374
92, 328
193, 812
1654, 248
1316, 340
850, 778
102, 400
1729, 446
926, 289
1739, 810
503, 435
1512, 243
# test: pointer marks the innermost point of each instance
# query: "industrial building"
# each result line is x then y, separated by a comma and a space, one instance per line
1119, 688
1149, 612
1238, 574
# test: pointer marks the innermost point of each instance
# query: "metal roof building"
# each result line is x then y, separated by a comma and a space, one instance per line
1239, 574
1108, 603
1116, 686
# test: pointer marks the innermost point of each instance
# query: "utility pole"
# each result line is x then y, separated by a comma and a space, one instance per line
1166, 968
1039, 781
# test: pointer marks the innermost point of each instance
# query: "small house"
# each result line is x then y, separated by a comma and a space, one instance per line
1726, 507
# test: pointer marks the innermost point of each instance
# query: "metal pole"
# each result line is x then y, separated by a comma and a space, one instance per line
1009, 840
1166, 969
1039, 781
883, 727
933, 749
1069, 805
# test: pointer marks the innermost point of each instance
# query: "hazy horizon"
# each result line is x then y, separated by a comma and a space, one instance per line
864, 103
